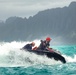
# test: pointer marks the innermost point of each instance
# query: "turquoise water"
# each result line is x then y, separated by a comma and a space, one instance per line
15, 62
69, 50
66, 69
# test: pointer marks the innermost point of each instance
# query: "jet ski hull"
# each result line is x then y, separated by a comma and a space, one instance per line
49, 54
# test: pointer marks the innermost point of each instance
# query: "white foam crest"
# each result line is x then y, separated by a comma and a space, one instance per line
70, 59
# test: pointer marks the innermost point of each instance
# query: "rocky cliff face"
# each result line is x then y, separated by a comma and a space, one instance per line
57, 22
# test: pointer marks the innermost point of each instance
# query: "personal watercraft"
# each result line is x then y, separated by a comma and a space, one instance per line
51, 53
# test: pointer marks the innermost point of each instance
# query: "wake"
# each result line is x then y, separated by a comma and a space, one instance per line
11, 56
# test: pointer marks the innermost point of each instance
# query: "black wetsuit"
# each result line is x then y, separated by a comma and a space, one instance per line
28, 47
42, 46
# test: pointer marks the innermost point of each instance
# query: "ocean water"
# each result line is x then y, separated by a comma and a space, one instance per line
14, 61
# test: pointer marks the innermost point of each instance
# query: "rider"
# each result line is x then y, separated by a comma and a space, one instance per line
29, 46
45, 44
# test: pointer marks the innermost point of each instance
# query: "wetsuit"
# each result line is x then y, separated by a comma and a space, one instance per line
28, 47
44, 45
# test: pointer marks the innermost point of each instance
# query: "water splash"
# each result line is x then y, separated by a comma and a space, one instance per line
11, 55
70, 59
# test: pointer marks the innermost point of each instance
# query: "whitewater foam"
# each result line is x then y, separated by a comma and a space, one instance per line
70, 59
11, 56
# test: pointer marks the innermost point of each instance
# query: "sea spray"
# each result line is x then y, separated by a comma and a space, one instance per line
11, 55
14, 61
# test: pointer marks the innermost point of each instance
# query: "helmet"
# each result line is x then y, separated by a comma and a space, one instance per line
48, 39
33, 43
